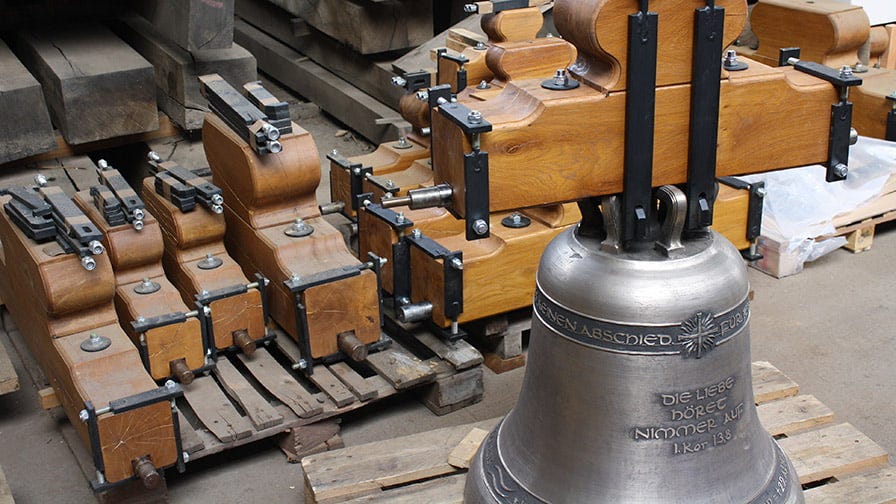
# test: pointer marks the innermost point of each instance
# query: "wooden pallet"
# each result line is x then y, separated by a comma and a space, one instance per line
246, 399
860, 235
836, 463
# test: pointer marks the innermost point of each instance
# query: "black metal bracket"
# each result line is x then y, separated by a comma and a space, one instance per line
461, 60
383, 183
298, 285
356, 172
466, 119
401, 270
31, 214
785, 54
389, 216
204, 300
503, 5
416, 80
709, 24
476, 195
891, 119
240, 114
452, 271
640, 104
841, 115
754, 212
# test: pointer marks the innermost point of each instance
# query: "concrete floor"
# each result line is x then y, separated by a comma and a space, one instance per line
830, 328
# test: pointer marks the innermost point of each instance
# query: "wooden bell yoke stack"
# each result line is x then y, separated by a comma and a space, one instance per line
268, 170
189, 210
542, 141
59, 288
168, 334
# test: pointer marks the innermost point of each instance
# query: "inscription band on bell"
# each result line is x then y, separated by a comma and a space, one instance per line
692, 337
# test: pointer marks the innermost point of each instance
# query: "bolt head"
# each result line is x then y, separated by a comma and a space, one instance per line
845, 71
95, 247
480, 46
169, 384
185, 456
103, 164
416, 233
399, 81
154, 156
83, 415
761, 192
480, 227
422, 95
483, 85
88, 263
471, 8
841, 170
474, 117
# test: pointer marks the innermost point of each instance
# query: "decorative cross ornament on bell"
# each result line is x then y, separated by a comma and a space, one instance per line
638, 387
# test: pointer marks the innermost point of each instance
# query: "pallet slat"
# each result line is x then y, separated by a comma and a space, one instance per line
333, 477
769, 383
331, 386
281, 385
793, 414
363, 389
877, 487
190, 441
459, 353
400, 368
215, 411
832, 451
448, 490
260, 412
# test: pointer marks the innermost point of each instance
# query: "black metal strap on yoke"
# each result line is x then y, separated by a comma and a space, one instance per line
298, 285
131, 204
460, 60
185, 188
90, 415
754, 212
891, 119
31, 214
700, 190
110, 206
356, 173
452, 272
476, 183
205, 299
640, 104
841, 114
277, 111
240, 114
75, 233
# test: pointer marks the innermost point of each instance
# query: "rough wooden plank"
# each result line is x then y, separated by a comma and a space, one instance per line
462, 455
306, 440
454, 390
25, 129
9, 379
260, 412
215, 411
330, 385
459, 353
365, 469
793, 414
281, 384
339, 98
289, 347
832, 451
400, 368
95, 85
5, 493
355, 382
877, 487
191, 24
769, 383
177, 70
370, 74
447, 490
190, 441
369, 29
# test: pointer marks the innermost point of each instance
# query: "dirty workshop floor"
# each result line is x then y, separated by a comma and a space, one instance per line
830, 328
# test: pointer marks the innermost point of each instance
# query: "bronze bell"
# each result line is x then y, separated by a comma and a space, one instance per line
638, 387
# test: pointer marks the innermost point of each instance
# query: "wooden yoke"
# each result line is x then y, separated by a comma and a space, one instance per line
535, 158
599, 29
142, 291
58, 305
196, 261
826, 31
264, 196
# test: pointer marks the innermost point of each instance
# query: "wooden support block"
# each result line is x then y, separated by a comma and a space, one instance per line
306, 440
48, 398
366, 469
832, 452
191, 24
177, 70
370, 75
362, 388
454, 391
400, 368
280, 384
9, 379
462, 455
330, 385
876, 487
371, 28
793, 414
769, 383
860, 240
260, 412
215, 411
95, 85
25, 129
339, 98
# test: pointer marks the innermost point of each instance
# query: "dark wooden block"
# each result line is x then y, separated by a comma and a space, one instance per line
368, 27
25, 128
177, 70
191, 24
95, 85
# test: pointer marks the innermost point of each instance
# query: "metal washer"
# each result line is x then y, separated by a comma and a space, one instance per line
96, 343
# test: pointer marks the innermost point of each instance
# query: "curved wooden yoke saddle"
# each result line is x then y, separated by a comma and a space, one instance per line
319, 292
59, 286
